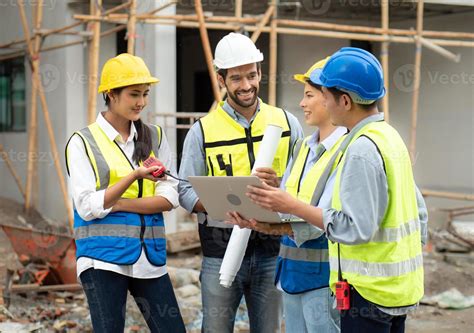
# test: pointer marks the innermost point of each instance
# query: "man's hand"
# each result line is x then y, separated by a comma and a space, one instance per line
266, 228
267, 175
272, 198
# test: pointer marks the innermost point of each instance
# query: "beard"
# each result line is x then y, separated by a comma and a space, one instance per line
245, 104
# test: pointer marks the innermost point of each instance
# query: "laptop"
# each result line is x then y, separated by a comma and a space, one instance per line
220, 195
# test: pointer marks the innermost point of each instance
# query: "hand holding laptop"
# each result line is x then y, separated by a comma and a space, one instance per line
265, 228
272, 198
267, 175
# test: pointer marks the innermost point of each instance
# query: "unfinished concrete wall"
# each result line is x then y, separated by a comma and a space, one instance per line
53, 76
445, 142
64, 75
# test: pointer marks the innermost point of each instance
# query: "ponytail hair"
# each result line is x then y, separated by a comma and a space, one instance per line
143, 145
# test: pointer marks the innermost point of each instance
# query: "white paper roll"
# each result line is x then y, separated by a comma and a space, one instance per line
235, 251
234, 254
268, 147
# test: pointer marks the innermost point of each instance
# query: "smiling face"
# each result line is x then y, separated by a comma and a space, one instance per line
130, 101
242, 84
313, 105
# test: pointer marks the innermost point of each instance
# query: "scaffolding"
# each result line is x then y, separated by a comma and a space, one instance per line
126, 17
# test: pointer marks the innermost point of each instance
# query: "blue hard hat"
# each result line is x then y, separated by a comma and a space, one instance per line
354, 71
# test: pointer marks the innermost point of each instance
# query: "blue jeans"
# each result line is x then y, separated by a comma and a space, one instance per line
254, 281
107, 297
311, 312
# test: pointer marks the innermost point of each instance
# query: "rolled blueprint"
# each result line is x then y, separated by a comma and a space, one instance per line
235, 252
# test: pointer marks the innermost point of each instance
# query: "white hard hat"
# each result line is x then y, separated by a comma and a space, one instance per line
236, 50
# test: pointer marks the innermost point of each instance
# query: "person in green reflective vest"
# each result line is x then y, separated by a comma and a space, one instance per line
376, 223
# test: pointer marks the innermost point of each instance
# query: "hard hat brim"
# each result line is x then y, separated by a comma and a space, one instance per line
130, 82
301, 78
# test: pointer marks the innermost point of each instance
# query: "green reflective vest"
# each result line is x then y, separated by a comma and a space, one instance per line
388, 270
231, 149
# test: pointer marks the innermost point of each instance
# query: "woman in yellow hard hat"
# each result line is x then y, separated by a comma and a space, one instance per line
118, 204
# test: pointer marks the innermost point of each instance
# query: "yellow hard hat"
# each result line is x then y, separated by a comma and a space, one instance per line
305, 77
124, 70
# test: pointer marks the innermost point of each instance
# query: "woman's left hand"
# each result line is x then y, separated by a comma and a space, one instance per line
272, 198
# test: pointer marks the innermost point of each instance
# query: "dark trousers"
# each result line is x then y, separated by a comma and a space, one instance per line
107, 297
365, 317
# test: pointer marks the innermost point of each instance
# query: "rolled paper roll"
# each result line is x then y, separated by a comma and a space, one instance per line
235, 251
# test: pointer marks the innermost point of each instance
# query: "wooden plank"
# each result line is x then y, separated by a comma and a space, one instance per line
384, 54
416, 81
207, 50
93, 53
131, 28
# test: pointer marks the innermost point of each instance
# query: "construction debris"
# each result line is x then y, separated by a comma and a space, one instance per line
450, 299
182, 241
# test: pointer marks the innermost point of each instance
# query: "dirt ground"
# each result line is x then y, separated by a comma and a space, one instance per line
68, 312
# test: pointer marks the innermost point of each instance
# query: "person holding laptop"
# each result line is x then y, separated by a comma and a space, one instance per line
377, 219
225, 143
302, 272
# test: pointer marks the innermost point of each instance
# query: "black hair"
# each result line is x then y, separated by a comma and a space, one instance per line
223, 72
338, 93
314, 85
143, 143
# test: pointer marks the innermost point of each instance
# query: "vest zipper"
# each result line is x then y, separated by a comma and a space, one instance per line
248, 136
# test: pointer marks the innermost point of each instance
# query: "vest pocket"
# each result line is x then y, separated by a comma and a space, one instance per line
222, 164
107, 243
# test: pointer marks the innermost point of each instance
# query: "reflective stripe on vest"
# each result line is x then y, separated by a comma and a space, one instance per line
91, 136
304, 268
388, 270
114, 230
119, 237
231, 149
378, 269
306, 254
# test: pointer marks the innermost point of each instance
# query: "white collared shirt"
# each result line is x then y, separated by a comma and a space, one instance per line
89, 203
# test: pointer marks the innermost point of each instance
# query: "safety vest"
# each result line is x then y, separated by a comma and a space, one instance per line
231, 149
305, 268
388, 270
119, 237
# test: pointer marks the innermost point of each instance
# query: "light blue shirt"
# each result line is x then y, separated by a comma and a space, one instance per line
304, 231
362, 214
193, 160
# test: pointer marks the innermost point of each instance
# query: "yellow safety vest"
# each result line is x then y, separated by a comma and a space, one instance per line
304, 191
388, 270
231, 149
119, 237
110, 163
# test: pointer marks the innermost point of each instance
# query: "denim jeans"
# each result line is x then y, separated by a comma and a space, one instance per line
254, 281
106, 294
366, 317
311, 312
